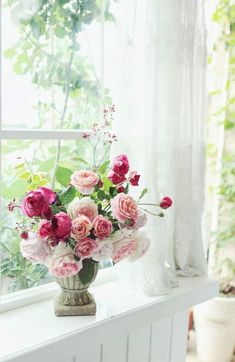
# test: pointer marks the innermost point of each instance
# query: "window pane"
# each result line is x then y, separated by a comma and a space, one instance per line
52, 63
21, 159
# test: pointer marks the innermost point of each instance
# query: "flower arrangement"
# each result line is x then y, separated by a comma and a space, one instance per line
92, 219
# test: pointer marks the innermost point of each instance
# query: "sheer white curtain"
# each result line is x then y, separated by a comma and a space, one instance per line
160, 125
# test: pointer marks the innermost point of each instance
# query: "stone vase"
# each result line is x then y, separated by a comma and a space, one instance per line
74, 299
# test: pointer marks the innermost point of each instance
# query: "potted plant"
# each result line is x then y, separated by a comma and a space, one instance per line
92, 218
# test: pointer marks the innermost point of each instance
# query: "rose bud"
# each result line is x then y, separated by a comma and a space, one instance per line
24, 235
134, 178
165, 202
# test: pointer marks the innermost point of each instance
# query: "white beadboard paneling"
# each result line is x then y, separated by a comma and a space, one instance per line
115, 350
139, 345
161, 340
179, 336
89, 353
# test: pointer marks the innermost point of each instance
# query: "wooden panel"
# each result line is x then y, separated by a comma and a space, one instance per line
115, 350
161, 340
138, 348
90, 353
179, 337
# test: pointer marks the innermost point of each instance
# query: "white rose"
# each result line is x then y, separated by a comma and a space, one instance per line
34, 248
122, 234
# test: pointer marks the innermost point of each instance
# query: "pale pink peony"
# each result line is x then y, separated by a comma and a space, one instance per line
62, 263
123, 249
85, 206
141, 220
142, 245
36, 203
102, 227
84, 181
124, 208
120, 165
104, 250
123, 234
81, 227
34, 248
85, 248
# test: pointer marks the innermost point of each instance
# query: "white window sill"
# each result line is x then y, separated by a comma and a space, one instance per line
35, 326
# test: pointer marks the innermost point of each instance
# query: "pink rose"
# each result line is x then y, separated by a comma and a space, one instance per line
84, 181
104, 251
165, 202
45, 229
142, 246
62, 263
115, 178
102, 227
120, 165
124, 208
134, 178
85, 206
61, 226
123, 249
34, 248
81, 227
85, 247
36, 203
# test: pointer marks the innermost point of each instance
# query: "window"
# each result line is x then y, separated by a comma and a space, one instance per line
55, 85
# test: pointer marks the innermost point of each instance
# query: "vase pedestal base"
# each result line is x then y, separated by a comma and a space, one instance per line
74, 310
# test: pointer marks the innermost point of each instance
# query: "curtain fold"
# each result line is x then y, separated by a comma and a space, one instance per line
160, 98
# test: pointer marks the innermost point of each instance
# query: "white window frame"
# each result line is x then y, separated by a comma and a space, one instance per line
48, 290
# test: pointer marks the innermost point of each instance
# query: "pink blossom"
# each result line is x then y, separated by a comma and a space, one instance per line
165, 202
84, 181
134, 178
34, 248
115, 177
120, 165
124, 208
102, 227
62, 263
81, 227
123, 249
85, 206
36, 203
85, 248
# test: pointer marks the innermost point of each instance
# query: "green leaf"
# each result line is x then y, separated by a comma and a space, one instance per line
86, 274
104, 167
101, 195
25, 175
143, 193
67, 195
63, 175
79, 159
107, 183
9, 53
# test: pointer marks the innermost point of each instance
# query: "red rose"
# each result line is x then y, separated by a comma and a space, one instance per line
121, 165
45, 229
115, 178
61, 225
134, 178
36, 203
165, 202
